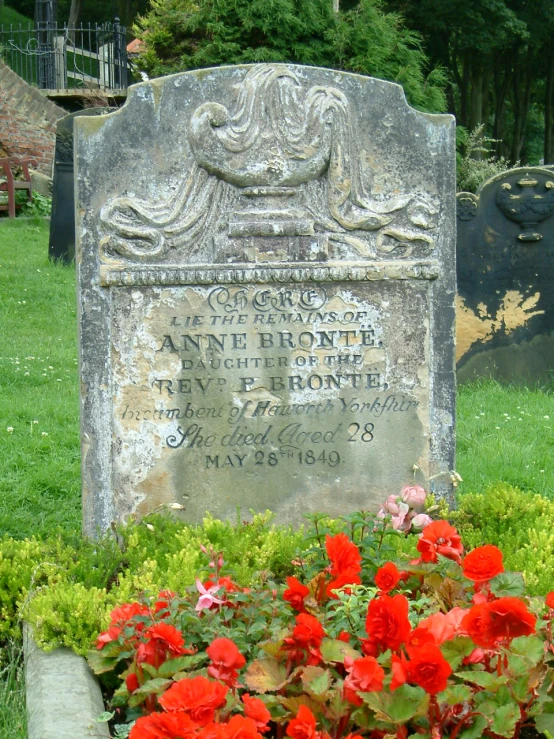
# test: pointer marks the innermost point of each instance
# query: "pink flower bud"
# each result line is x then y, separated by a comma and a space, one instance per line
421, 521
414, 496
391, 505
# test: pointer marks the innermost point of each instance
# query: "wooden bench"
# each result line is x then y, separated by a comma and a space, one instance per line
9, 184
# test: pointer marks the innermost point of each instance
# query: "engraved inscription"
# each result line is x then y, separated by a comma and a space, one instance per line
235, 379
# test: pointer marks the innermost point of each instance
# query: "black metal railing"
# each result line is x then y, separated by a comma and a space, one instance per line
61, 58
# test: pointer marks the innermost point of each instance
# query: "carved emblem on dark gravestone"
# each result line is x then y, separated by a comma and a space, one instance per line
62, 221
504, 256
529, 205
266, 281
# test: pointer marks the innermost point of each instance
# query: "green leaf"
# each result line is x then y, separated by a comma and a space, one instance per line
171, 666
150, 670
335, 650
475, 731
545, 721
264, 675
398, 707
508, 584
505, 719
531, 648
153, 687
520, 688
105, 717
483, 679
316, 680
455, 650
100, 664
455, 694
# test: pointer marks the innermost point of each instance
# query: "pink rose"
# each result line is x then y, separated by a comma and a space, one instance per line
414, 496
421, 521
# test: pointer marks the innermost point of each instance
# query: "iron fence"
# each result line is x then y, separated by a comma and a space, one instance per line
61, 58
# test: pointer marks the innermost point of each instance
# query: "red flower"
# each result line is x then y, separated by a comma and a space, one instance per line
127, 611
303, 726
483, 563
428, 669
256, 709
131, 682
550, 599
387, 624
108, 636
440, 538
164, 642
399, 671
348, 577
164, 726
343, 554
240, 727
365, 675
164, 599
420, 637
504, 618
198, 696
305, 641
226, 660
387, 577
295, 594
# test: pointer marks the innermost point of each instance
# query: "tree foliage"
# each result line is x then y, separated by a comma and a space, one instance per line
183, 34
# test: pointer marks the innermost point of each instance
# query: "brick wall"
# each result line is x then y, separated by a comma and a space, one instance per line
27, 120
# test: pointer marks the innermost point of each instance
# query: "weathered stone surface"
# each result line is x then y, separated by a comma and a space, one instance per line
266, 277
62, 695
41, 183
505, 304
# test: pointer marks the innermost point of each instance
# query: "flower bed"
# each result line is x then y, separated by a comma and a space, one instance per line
444, 644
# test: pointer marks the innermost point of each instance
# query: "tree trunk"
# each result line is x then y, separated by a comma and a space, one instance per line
522, 101
501, 88
74, 13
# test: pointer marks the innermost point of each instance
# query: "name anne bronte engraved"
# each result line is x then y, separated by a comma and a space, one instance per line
275, 382
266, 283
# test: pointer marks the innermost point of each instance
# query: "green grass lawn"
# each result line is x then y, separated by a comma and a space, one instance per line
504, 433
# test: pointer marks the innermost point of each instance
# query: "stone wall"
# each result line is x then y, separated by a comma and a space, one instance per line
27, 120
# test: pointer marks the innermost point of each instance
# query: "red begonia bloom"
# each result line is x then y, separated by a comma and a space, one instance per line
399, 668
341, 579
241, 727
387, 577
504, 618
483, 563
444, 626
420, 637
305, 641
428, 669
164, 599
107, 636
164, 642
387, 623
131, 682
303, 726
365, 675
226, 660
198, 696
295, 594
127, 611
440, 538
343, 553
256, 709
549, 600
164, 726
213, 730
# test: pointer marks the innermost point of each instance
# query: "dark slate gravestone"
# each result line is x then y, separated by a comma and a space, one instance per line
505, 253
266, 271
62, 221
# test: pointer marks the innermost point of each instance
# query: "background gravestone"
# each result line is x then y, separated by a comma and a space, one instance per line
266, 274
62, 221
505, 252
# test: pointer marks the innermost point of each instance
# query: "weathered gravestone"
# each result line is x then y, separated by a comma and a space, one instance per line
505, 252
266, 277
62, 221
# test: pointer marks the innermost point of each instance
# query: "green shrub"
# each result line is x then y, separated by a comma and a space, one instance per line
519, 523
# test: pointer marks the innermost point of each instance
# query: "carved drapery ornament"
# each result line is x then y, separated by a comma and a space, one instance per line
283, 162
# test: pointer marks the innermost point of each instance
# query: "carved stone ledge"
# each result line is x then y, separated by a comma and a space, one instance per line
214, 274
